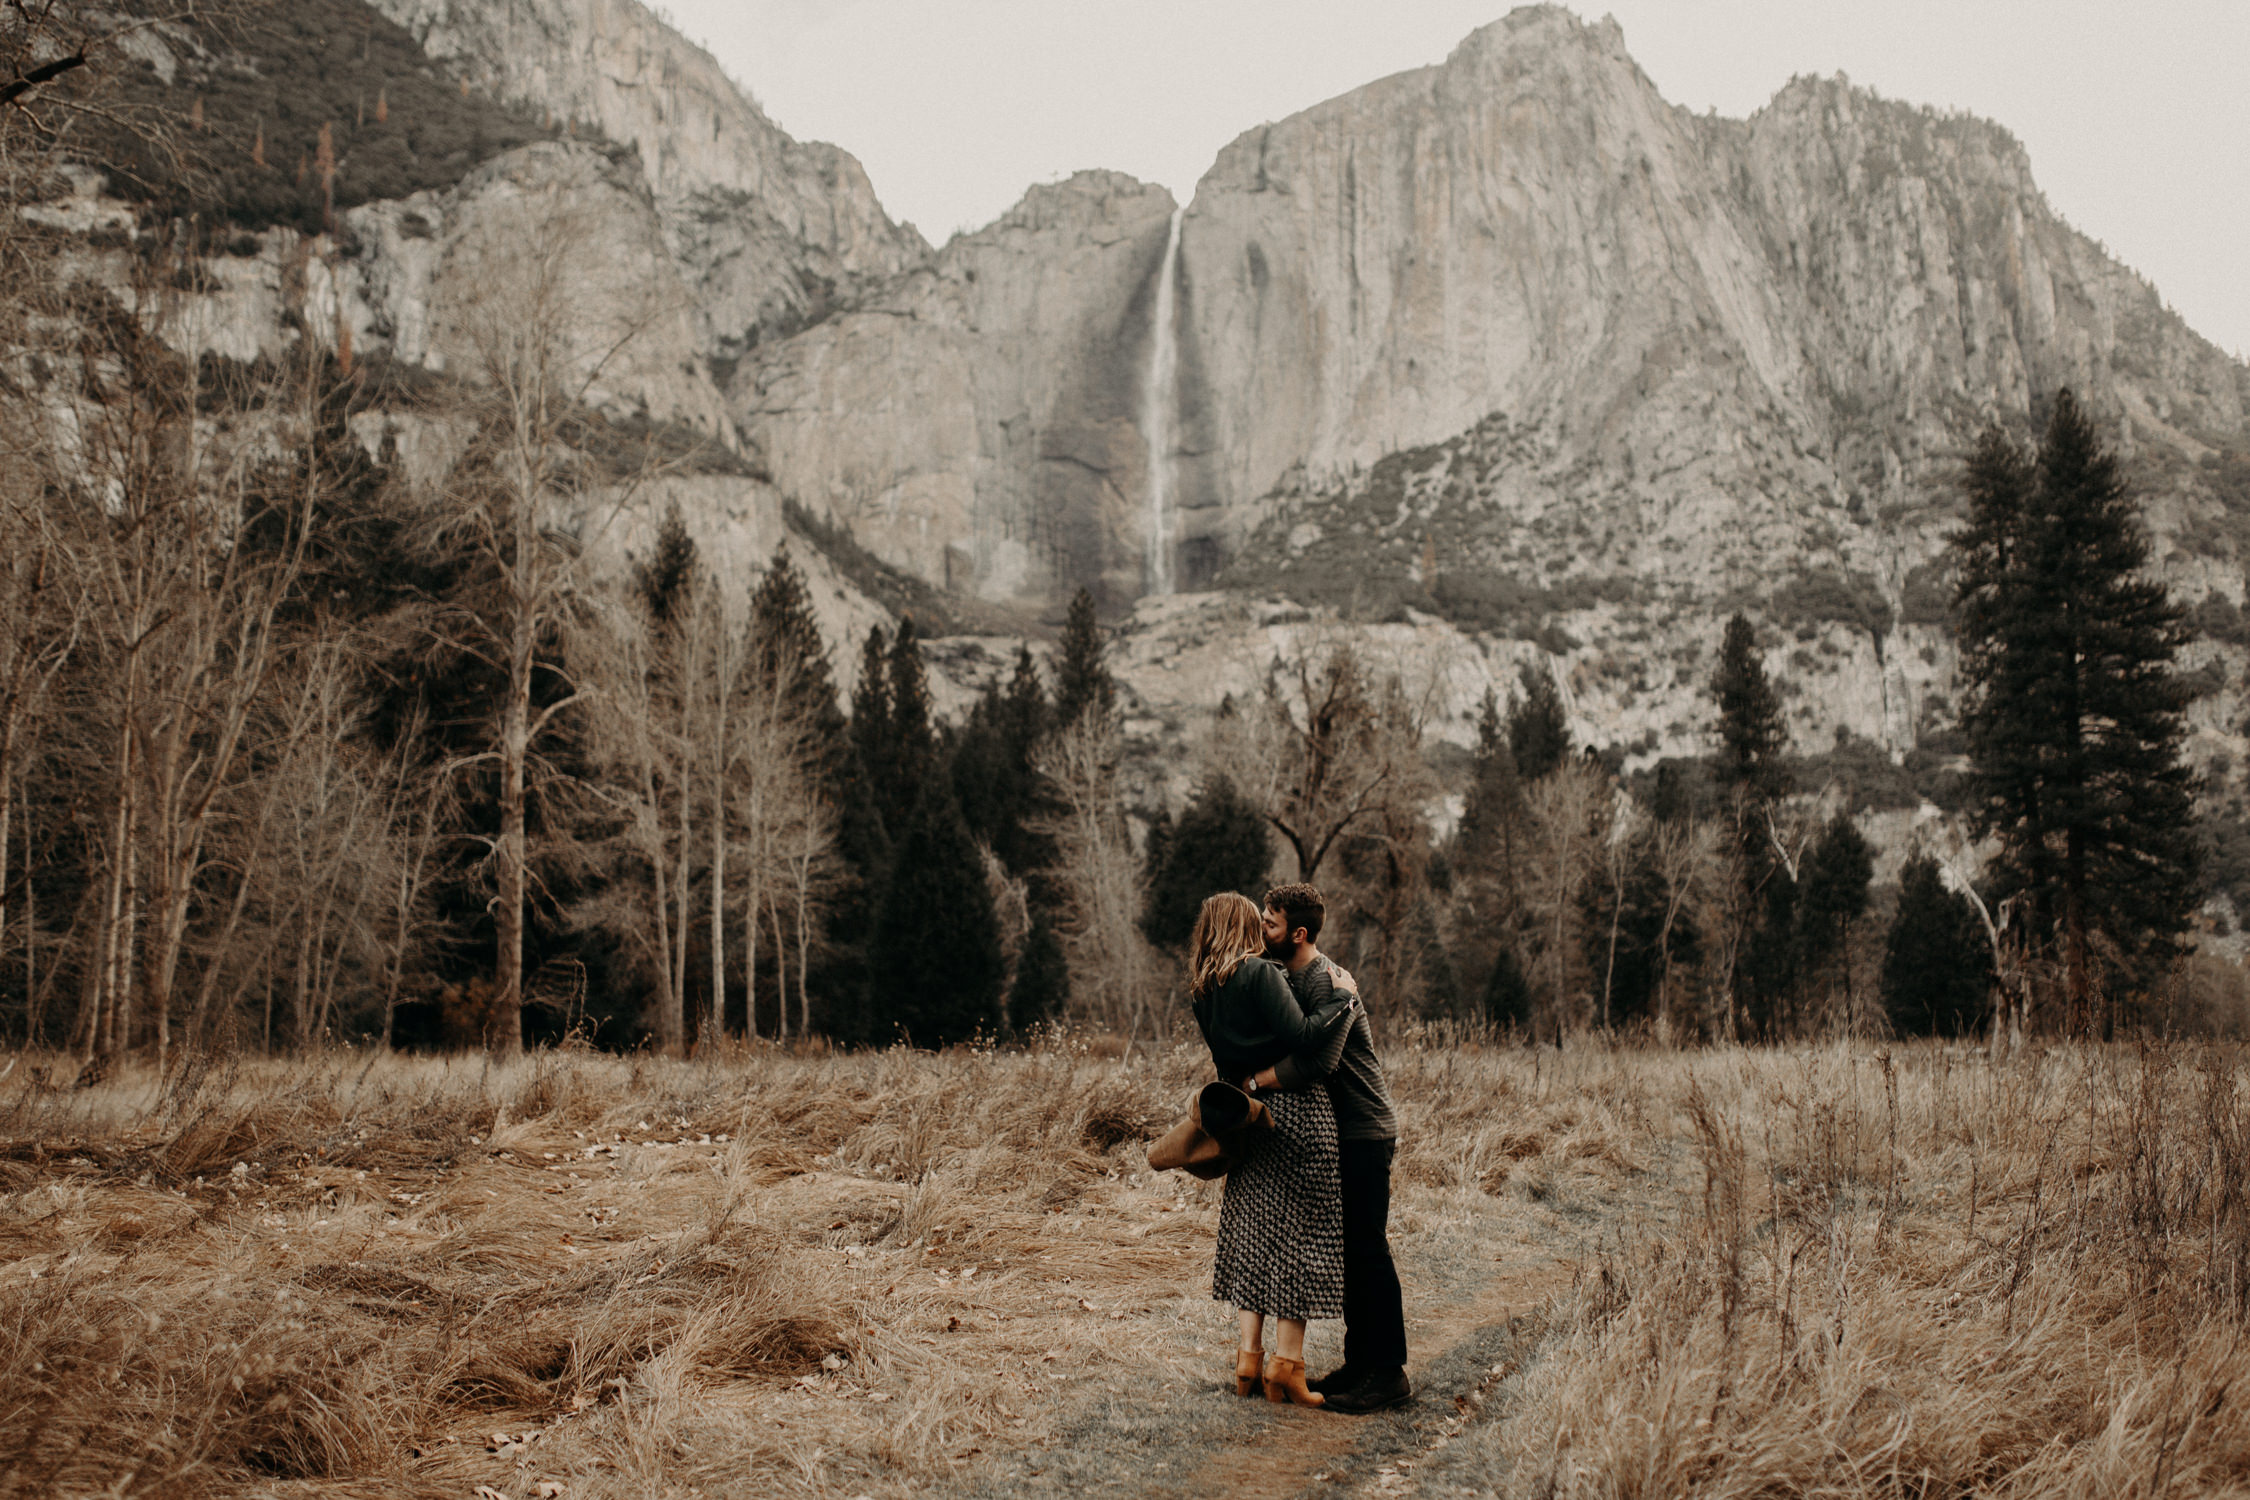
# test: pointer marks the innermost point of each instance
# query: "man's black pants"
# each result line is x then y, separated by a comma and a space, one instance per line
1374, 1307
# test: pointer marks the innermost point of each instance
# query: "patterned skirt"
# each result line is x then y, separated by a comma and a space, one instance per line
1281, 1224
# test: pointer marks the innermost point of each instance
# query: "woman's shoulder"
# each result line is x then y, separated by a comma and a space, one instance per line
1255, 971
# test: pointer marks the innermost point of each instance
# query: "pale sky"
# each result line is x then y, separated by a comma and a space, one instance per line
2136, 116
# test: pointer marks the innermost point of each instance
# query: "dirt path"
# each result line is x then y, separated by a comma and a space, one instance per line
1175, 1429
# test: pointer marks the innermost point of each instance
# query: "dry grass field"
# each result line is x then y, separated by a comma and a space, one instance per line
1631, 1273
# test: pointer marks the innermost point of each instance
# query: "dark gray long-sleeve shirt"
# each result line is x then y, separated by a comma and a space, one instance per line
1355, 1078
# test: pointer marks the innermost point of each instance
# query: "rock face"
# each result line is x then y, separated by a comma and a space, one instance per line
1506, 354
1512, 345
770, 232
978, 423
1820, 296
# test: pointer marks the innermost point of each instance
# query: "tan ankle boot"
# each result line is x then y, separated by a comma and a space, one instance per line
1285, 1381
1246, 1365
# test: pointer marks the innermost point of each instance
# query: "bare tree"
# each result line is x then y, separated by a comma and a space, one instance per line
1686, 855
1620, 852
41, 615
540, 355
1323, 749
1113, 968
1563, 851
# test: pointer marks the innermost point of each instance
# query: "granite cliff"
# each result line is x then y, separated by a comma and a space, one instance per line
1504, 360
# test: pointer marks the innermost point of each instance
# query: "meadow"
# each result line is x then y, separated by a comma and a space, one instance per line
1838, 1270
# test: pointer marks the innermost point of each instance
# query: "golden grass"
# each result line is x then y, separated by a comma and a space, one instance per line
1808, 1272
1911, 1274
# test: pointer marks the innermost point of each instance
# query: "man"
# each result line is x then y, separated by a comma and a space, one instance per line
1373, 1374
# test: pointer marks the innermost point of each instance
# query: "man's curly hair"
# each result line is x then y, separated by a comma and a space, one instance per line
1300, 906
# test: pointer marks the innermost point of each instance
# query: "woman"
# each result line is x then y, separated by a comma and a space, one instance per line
1281, 1224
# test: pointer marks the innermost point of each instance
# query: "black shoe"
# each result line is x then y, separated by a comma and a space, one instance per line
1335, 1382
1378, 1392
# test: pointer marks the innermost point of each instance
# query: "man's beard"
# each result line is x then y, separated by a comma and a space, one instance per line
1282, 951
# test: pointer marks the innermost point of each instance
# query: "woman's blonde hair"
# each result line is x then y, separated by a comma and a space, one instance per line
1229, 929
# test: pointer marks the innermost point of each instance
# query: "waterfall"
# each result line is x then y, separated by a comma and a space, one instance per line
1159, 399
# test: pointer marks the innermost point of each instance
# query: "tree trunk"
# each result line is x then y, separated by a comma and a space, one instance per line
515, 736
680, 901
128, 948
804, 940
2077, 987
668, 1024
714, 1025
750, 973
780, 969
1609, 972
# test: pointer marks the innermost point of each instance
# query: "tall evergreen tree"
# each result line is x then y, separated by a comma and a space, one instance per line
2074, 712
1937, 962
1219, 844
1041, 991
994, 771
1831, 895
1624, 932
1752, 736
790, 650
1750, 778
1538, 729
934, 955
1082, 680
667, 579
913, 738
872, 736
1493, 810
1507, 993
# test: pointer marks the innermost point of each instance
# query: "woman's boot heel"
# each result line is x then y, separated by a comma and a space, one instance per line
1285, 1381
1246, 1368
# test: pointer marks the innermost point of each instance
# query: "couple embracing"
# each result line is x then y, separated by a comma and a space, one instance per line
1303, 1228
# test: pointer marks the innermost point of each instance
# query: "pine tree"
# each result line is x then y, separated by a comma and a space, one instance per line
934, 955
666, 580
1538, 729
1937, 962
1831, 895
1493, 810
1041, 991
1750, 778
1507, 994
994, 774
1219, 844
1752, 736
872, 736
1624, 931
913, 749
789, 648
2074, 712
1082, 681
